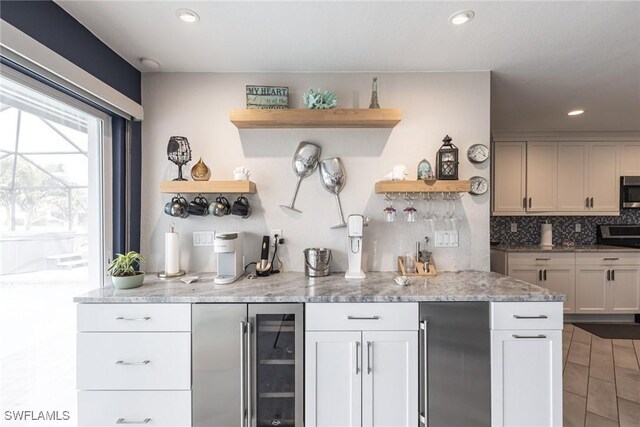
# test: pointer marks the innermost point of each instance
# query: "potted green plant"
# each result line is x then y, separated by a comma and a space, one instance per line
123, 272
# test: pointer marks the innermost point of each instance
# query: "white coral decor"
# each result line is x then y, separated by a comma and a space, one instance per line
318, 100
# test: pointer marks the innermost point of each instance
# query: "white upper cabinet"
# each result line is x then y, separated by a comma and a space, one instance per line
604, 177
630, 159
561, 178
509, 176
542, 176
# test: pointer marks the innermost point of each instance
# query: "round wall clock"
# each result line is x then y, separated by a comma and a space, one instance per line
478, 153
479, 185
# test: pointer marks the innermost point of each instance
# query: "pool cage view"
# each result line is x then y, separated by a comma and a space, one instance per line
44, 162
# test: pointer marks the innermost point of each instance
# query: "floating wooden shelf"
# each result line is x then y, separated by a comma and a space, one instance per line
420, 186
304, 118
208, 187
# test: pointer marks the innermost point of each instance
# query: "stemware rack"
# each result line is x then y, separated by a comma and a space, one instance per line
421, 186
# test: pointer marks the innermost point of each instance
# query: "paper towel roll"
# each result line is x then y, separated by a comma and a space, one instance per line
171, 253
546, 235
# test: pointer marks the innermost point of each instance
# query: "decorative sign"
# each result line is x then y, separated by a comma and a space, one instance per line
267, 97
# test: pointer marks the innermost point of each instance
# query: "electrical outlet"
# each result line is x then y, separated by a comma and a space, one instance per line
578, 227
514, 227
275, 231
446, 239
203, 238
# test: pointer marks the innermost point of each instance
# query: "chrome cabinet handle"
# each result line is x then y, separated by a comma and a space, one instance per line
529, 336
369, 354
610, 259
613, 275
143, 362
425, 389
363, 318
134, 319
243, 330
545, 275
123, 421
608, 275
543, 259
540, 316
357, 343
249, 375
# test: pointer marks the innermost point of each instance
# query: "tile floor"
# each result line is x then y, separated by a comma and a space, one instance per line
601, 380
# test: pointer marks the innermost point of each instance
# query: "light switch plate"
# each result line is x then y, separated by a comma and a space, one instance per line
514, 227
578, 227
203, 238
446, 239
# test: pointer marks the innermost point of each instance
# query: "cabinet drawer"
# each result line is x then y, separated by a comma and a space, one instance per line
117, 408
541, 259
526, 315
134, 317
134, 361
362, 317
594, 259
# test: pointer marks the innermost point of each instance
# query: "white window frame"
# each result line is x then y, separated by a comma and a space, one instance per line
100, 161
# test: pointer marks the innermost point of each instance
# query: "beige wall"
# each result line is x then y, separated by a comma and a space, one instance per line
197, 106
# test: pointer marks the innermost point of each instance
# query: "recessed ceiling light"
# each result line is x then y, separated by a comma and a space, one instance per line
187, 15
461, 17
149, 64
575, 112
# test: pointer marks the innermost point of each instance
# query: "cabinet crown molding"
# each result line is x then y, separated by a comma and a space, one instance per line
567, 135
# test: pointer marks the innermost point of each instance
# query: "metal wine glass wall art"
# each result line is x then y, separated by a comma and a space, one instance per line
179, 152
305, 162
333, 177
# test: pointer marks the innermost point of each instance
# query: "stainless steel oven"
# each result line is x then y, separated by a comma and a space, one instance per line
630, 192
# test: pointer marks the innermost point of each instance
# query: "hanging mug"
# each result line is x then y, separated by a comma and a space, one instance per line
177, 207
220, 207
199, 206
241, 207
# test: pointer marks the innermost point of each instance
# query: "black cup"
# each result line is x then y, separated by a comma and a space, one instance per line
177, 207
199, 206
241, 207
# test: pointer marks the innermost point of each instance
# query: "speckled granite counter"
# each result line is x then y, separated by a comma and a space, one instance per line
295, 287
558, 248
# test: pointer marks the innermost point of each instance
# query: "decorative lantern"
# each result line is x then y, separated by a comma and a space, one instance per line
447, 160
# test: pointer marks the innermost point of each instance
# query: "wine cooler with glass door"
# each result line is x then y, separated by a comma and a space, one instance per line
247, 363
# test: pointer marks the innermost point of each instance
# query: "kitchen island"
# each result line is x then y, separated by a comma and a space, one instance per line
461, 348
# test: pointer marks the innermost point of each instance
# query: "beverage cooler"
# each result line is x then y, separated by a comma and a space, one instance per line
247, 365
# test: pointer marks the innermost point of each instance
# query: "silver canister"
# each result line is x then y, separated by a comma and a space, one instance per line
316, 262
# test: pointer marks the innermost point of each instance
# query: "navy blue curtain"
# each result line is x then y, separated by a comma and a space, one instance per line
52, 26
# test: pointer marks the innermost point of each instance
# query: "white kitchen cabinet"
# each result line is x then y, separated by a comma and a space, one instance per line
542, 176
362, 377
509, 177
608, 283
526, 364
549, 270
630, 159
604, 177
137, 353
562, 178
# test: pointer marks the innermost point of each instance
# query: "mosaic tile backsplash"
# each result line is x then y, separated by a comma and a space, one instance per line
563, 227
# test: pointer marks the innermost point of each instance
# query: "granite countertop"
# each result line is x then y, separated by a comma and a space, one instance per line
561, 248
295, 287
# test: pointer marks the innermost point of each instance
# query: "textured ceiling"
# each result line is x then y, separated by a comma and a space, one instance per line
546, 57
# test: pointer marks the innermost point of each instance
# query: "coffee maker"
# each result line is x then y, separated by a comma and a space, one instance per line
229, 249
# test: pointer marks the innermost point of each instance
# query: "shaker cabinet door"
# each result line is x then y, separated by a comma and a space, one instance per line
542, 176
526, 274
591, 290
333, 378
390, 378
509, 176
562, 280
573, 177
526, 378
604, 178
624, 290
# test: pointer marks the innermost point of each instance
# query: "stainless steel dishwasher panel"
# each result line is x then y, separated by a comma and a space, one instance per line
218, 365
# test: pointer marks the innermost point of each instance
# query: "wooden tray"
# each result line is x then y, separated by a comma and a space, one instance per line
419, 267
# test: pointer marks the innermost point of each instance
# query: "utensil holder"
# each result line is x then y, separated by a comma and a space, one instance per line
420, 268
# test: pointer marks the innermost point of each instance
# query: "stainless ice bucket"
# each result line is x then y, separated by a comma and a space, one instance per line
316, 262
